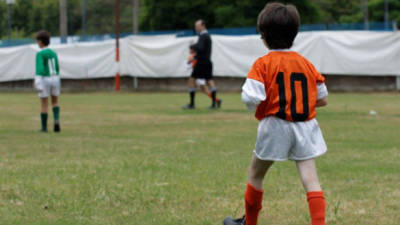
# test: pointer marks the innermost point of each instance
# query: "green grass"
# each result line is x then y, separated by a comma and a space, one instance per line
139, 159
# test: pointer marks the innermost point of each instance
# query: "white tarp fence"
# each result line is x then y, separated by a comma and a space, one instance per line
332, 52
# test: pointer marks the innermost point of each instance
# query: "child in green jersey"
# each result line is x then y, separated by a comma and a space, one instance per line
47, 79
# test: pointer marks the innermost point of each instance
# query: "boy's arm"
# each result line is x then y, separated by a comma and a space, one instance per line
322, 95
253, 92
322, 98
39, 71
57, 66
39, 65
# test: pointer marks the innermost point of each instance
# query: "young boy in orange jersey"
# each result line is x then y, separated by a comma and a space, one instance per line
192, 57
284, 88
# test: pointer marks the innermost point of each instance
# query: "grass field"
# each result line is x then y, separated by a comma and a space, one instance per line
139, 159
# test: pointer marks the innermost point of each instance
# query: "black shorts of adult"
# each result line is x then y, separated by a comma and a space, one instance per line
203, 70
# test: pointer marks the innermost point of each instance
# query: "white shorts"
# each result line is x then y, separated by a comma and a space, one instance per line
48, 86
200, 82
280, 140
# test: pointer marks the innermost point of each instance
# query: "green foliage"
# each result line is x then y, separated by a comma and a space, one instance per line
341, 11
350, 11
376, 11
3, 19
29, 16
218, 13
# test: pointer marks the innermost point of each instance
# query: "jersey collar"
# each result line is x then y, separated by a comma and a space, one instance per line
281, 50
204, 32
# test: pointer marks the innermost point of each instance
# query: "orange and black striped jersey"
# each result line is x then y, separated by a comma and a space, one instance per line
284, 84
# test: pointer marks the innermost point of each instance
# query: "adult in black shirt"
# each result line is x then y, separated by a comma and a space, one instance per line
202, 71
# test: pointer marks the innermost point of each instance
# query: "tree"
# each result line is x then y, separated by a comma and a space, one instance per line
217, 13
29, 16
350, 11
376, 10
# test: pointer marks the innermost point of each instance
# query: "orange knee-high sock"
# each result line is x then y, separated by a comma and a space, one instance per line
210, 95
253, 203
316, 203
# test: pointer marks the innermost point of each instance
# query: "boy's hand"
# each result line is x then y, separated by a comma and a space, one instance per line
37, 84
322, 102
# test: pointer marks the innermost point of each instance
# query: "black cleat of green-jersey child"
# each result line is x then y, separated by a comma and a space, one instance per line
57, 127
232, 221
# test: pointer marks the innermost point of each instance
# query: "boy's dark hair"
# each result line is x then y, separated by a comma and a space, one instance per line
44, 37
192, 47
278, 25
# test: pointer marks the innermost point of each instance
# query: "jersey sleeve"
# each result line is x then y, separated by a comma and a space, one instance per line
253, 90
320, 78
322, 91
39, 64
316, 73
321, 87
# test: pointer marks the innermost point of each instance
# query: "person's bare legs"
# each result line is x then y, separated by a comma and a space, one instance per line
315, 196
257, 170
192, 92
254, 191
205, 90
43, 105
192, 82
54, 101
308, 175
211, 83
216, 103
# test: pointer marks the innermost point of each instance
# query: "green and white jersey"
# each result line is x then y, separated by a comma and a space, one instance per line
47, 63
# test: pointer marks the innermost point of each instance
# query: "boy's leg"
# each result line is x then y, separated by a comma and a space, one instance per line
43, 113
254, 191
192, 92
56, 113
207, 91
215, 101
315, 196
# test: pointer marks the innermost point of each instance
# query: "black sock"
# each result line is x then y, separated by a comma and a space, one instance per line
192, 95
56, 114
214, 96
43, 118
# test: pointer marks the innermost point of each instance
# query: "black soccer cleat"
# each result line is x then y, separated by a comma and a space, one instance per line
232, 221
219, 102
188, 106
57, 127
43, 130
216, 105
